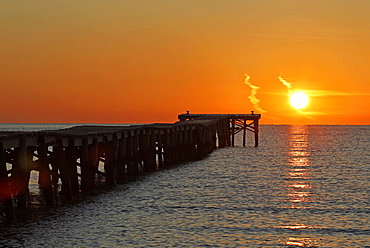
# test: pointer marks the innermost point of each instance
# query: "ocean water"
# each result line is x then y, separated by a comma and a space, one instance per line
304, 186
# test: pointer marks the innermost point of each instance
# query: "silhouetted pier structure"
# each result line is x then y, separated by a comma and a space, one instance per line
72, 161
238, 123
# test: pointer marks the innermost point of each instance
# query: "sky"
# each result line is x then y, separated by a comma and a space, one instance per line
145, 61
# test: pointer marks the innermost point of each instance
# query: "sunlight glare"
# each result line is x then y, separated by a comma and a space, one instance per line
298, 100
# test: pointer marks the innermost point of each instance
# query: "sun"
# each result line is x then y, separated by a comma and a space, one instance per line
298, 100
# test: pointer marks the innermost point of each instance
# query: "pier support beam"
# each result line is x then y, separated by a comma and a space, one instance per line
110, 149
256, 130
238, 125
135, 153
71, 158
45, 181
66, 189
93, 162
84, 163
121, 159
159, 149
129, 156
244, 131
21, 174
233, 132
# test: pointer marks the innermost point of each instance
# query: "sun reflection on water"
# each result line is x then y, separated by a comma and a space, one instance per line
295, 226
301, 242
298, 185
298, 170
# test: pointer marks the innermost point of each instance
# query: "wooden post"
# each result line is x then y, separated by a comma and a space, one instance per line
166, 148
227, 131
159, 148
22, 174
54, 168
107, 158
174, 146
203, 142
232, 131
152, 154
144, 149
129, 155
121, 160
225, 134
190, 143
214, 136
186, 141
196, 142
256, 130
200, 142
171, 147
109, 161
221, 135
71, 158
84, 163
66, 189
114, 147
45, 182
218, 134
93, 162
182, 144
6, 194
135, 153
244, 131
209, 139
178, 145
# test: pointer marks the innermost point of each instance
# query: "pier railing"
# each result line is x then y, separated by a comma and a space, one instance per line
72, 161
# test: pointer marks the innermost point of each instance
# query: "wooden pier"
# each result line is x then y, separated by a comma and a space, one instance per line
72, 161
238, 123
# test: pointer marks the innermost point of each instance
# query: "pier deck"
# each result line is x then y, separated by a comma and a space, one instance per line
72, 161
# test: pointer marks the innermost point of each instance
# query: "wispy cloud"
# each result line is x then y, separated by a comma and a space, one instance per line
320, 113
317, 35
287, 84
252, 97
334, 93
311, 114
320, 93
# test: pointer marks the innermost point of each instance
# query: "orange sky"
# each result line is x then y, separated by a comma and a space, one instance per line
120, 61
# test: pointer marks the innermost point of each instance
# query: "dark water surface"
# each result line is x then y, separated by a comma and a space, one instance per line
304, 186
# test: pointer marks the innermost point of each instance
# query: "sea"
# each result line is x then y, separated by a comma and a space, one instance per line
303, 186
